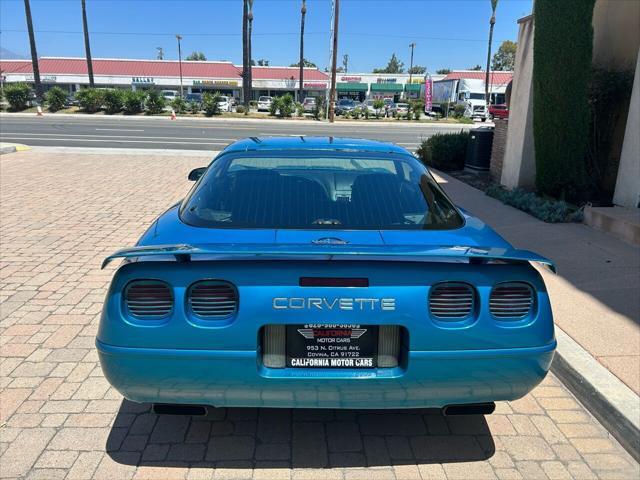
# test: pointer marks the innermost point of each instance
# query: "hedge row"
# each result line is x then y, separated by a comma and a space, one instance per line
562, 55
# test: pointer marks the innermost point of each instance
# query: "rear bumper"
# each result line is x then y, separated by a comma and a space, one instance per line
237, 378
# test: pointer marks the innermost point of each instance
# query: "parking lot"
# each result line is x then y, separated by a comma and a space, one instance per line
61, 215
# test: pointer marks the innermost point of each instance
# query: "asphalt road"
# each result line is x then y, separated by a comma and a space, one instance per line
192, 134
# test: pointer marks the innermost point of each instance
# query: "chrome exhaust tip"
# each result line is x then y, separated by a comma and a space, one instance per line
178, 409
469, 409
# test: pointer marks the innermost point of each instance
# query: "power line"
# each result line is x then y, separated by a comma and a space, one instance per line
264, 34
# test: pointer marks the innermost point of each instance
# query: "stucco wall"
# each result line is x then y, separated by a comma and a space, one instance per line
519, 164
628, 183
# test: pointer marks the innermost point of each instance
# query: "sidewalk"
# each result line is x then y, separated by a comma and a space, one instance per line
595, 293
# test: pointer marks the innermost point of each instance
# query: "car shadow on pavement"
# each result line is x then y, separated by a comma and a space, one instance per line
295, 438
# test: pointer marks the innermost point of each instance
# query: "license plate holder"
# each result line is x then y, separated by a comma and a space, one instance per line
332, 346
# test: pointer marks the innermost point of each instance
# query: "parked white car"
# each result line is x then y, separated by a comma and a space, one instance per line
225, 103
264, 103
169, 95
368, 104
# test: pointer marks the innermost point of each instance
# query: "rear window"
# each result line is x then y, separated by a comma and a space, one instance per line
345, 192
264, 99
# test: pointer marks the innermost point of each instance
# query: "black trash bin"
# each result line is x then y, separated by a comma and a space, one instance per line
478, 156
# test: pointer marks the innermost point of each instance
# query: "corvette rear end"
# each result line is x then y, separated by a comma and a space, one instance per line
329, 304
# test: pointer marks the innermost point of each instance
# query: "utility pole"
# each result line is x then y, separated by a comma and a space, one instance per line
303, 12
160, 53
334, 60
412, 45
87, 47
492, 22
179, 37
246, 61
34, 53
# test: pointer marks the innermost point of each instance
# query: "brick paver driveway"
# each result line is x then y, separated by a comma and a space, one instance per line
61, 214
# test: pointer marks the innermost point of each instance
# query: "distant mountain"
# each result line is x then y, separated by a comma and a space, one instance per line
9, 55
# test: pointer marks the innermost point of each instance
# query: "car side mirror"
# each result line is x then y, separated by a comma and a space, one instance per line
196, 173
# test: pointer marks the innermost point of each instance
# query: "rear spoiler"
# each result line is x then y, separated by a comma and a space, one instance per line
406, 253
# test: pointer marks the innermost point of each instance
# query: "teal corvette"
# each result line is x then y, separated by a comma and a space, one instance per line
323, 272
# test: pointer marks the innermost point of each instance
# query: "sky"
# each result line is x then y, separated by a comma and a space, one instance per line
447, 33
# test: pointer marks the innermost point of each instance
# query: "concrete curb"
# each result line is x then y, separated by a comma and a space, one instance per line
250, 120
12, 147
5, 150
612, 402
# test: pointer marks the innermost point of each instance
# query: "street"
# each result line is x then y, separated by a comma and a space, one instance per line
194, 134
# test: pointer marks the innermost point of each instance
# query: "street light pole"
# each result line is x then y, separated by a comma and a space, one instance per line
412, 45
178, 37
334, 60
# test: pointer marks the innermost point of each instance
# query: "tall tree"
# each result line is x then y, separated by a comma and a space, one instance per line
87, 47
477, 68
306, 63
34, 53
249, 34
261, 63
246, 60
505, 57
303, 13
196, 56
443, 71
394, 66
492, 22
417, 70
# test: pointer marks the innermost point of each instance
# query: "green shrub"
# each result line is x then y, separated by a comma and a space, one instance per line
18, 95
378, 105
356, 113
210, 103
240, 109
416, 107
195, 107
154, 102
55, 98
253, 104
444, 151
179, 105
458, 110
285, 106
299, 109
551, 211
133, 101
318, 109
90, 99
274, 107
113, 100
561, 77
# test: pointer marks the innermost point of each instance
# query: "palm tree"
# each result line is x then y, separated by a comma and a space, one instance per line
87, 47
245, 55
34, 53
250, 55
303, 12
492, 22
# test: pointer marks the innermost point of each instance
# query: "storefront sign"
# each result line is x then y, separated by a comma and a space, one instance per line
351, 79
222, 83
315, 85
43, 78
386, 80
142, 81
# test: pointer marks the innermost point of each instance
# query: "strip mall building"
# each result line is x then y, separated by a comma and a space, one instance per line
224, 77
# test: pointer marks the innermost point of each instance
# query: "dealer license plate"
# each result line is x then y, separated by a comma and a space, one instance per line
332, 346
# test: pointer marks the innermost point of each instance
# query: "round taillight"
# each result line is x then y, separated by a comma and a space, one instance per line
511, 300
451, 300
213, 299
148, 299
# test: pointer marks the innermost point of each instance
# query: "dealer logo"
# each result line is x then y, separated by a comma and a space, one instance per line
313, 333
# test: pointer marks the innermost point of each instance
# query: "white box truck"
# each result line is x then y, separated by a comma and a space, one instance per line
464, 91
